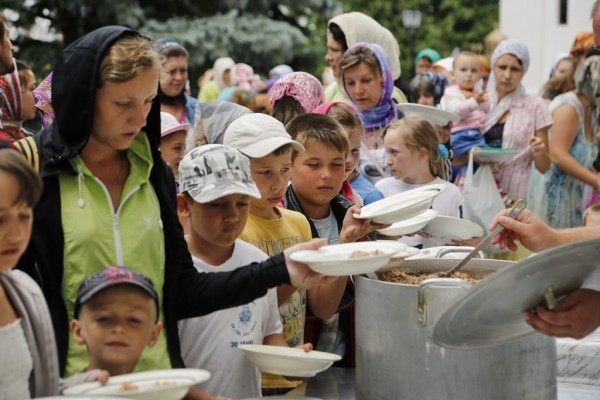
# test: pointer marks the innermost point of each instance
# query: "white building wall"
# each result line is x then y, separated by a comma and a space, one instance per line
536, 23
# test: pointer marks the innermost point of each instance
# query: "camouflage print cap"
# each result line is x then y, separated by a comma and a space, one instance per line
213, 171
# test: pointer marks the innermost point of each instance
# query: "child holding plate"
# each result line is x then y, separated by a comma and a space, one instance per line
414, 158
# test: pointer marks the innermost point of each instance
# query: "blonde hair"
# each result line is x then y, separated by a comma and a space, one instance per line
418, 133
127, 58
357, 55
320, 129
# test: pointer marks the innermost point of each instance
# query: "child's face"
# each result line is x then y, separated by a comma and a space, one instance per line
354, 138
364, 86
116, 325
219, 223
425, 98
15, 222
467, 71
564, 68
172, 149
318, 174
271, 174
404, 163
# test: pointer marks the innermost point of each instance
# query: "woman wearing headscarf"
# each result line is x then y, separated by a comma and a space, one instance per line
556, 196
367, 80
16, 101
343, 32
221, 79
294, 94
516, 120
425, 59
173, 77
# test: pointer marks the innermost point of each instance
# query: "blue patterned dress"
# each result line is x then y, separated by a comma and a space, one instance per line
556, 197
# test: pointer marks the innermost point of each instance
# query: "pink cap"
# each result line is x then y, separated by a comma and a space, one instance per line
169, 124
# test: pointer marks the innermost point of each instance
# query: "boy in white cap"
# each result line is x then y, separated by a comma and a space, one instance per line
216, 190
172, 140
272, 228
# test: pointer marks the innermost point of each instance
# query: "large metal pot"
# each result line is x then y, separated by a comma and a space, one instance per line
397, 358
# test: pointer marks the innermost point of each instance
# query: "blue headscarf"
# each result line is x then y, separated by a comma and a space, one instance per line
385, 110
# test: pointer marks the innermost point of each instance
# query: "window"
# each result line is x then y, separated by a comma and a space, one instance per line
562, 11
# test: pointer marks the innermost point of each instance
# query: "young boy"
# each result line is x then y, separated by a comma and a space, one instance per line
316, 180
216, 190
273, 229
463, 98
116, 318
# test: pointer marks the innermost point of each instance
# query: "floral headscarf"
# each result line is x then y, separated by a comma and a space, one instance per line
499, 108
582, 43
244, 77
12, 104
302, 86
43, 100
385, 110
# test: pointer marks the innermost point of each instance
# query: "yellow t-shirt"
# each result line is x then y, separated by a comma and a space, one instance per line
272, 237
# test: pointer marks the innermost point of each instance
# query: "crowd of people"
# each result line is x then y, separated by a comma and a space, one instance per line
145, 229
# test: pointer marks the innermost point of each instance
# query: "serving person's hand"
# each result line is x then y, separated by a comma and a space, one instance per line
528, 229
353, 228
576, 316
301, 276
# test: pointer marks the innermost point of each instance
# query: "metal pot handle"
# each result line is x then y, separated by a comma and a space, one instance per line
456, 249
445, 282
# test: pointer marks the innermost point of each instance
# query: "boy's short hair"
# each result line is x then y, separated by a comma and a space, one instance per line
258, 135
110, 277
317, 128
213, 171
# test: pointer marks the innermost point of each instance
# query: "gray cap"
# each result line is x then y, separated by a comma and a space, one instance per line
213, 171
258, 135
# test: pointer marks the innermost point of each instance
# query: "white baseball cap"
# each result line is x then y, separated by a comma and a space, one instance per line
258, 135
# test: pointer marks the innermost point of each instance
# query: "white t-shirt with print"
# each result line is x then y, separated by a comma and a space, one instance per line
210, 342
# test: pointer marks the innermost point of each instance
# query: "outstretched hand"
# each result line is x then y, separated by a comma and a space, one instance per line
576, 316
353, 228
301, 276
528, 229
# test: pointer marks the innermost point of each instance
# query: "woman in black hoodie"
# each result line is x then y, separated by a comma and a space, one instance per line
109, 198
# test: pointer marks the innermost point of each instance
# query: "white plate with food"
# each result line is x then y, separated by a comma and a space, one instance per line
288, 361
352, 258
494, 154
445, 229
169, 384
410, 225
401, 206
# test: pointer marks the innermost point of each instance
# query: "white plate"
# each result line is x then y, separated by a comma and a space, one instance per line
170, 384
288, 361
410, 225
335, 260
495, 154
434, 115
445, 229
401, 206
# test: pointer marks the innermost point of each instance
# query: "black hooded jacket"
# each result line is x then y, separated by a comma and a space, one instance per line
186, 292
